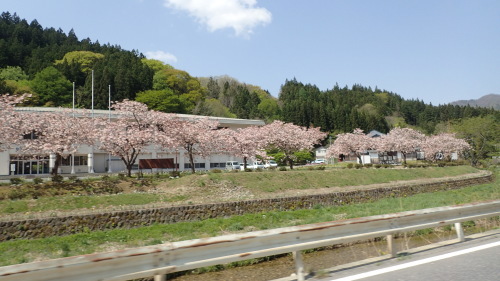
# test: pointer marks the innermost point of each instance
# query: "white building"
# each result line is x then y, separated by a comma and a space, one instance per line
88, 159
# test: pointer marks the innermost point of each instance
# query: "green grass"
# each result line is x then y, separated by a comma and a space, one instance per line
20, 251
258, 182
66, 203
274, 181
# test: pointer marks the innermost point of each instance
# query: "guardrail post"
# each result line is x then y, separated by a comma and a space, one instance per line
299, 265
391, 247
161, 277
460, 232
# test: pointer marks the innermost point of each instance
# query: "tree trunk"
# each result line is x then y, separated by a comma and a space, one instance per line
244, 163
57, 163
129, 170
359, 158
191, 161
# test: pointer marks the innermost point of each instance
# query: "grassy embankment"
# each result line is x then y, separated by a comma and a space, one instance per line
259, 184
21, 251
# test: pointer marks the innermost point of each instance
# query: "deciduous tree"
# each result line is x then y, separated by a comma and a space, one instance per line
197, 137
356, 142
128, 134
290, 138
441, 146
404, 140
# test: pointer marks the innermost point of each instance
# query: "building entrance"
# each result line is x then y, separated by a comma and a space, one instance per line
27, 166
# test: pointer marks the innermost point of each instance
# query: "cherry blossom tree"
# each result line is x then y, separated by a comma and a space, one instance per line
128, 134
11, 124
245, 143
290, 138
197, 137
356, 142
59, 133
441, 146
404, 140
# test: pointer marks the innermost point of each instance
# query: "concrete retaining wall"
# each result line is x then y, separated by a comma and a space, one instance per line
46, 227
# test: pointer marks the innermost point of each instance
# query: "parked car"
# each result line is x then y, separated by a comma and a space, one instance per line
318, 161
252, 165
232, 165
270, 164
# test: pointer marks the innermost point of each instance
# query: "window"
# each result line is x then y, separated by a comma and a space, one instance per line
79, 161
196, 165
31, 136
217, 165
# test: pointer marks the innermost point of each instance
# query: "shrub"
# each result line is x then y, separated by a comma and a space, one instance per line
16, 180
57, 178
378, 166
369, 165
350, 166
74, 179
175, 174
283, 169
321, 168
16, 193
358, 166
258, 170
386, 166
37, 180
248, 170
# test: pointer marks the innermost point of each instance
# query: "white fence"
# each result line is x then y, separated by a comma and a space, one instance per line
166, 258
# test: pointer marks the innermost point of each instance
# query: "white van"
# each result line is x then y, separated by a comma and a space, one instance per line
232, 165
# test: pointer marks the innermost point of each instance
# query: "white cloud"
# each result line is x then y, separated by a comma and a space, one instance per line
241, 15
161, 56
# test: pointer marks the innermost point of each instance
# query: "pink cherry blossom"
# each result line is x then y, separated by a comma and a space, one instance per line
404, 140
356, 142
290, 138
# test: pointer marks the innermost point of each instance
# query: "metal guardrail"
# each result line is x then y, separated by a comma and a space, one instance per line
166, 258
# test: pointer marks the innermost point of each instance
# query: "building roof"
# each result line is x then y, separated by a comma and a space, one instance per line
105, 113
375, 134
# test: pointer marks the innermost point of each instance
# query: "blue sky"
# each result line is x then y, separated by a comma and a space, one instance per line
435, 50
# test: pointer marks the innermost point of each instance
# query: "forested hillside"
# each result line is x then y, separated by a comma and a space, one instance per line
47, 62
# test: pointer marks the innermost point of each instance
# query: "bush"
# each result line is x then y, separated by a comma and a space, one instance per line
37, 180
74, 179
283, 169
378, 166
369, 165
350, 166
258, 170
16, 193
16, 180
321, 168
175, 174
57, 178
248, 170
358, 166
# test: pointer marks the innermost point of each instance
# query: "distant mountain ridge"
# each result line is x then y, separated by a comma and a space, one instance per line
488, 101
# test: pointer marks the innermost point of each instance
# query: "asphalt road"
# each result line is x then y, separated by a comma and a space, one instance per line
474, 259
